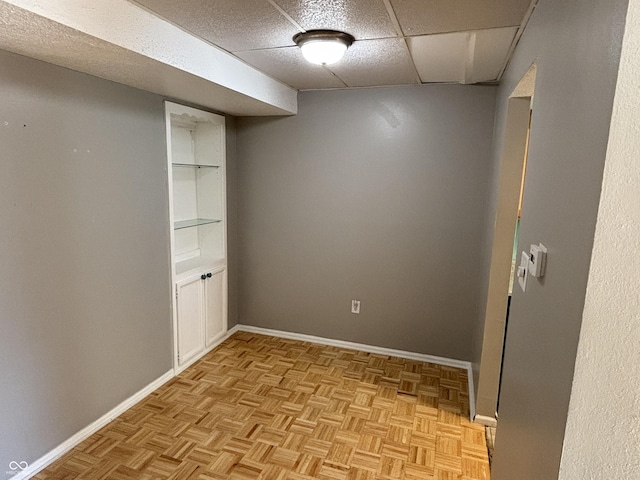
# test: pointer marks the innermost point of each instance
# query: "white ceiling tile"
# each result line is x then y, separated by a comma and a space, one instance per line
420, 17
463, 57
440, 58
288, 66
376, 62
234, 25
490, 53
471, 43
363, 19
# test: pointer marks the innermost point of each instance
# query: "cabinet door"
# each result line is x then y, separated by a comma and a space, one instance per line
215, 307
190, 318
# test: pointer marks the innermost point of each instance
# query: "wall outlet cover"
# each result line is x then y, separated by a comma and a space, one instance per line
355, 306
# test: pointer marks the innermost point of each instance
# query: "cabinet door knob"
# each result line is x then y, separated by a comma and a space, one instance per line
203, 276
209, 275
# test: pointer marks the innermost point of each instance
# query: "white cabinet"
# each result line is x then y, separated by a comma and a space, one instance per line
190, 306
215, 306
201, 314
197, 210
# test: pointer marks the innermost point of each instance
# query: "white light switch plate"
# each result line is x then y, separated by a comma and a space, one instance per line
522, 271
537, 260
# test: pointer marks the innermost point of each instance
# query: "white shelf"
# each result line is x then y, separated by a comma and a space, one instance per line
196, 150
194, 165
186, 268
194, 222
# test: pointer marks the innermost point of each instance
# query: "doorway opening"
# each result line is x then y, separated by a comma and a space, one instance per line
511, 184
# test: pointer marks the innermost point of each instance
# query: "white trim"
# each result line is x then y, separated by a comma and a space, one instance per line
215, 344
421, 357
231, 331
486, 421
47, 459
472, 393
76, 439
92, 428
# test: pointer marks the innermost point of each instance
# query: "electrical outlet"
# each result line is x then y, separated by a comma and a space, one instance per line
355, 306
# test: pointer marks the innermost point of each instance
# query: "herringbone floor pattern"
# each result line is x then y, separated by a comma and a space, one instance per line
260, 407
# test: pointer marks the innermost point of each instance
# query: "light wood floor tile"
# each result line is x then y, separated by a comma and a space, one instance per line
264, 408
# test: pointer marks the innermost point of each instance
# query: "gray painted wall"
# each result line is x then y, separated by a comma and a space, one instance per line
84, 250
577, 46
373, 194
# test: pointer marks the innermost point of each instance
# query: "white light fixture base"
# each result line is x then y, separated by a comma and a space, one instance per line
323, 47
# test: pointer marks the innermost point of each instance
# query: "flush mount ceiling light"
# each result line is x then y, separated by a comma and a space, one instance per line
323, 47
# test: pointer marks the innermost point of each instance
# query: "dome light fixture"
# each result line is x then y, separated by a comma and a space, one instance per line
323, 47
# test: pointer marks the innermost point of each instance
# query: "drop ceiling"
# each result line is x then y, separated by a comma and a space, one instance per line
238, 56
398, 42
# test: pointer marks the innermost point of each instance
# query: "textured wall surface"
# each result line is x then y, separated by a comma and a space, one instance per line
602, 439
577, 48
377, 195
84, 252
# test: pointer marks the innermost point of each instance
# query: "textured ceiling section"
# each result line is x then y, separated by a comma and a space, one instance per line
288, 65
234, 25
398, 42
377, 62
364, 19
118, 41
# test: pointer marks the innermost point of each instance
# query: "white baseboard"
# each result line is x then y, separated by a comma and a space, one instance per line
90, 429
486, 421
421, 357
232, 330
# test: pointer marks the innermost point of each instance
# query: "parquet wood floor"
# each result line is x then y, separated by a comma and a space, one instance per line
265, 408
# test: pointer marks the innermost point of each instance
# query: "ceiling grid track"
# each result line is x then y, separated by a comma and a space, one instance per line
519, 33
336, 75
286, 15
398, 28
393, 17
413, 63
178, 26
244, 49
398, 42
470, 55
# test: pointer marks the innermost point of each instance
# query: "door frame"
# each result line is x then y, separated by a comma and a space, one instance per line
510, 185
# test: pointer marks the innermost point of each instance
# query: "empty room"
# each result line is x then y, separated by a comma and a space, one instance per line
340, 240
